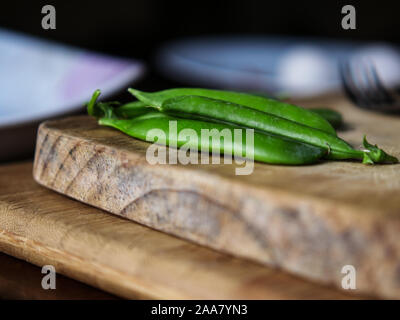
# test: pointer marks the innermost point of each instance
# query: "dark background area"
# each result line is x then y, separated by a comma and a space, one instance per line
136, 28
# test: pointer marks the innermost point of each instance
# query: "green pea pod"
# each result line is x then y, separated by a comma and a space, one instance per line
271, 106
132, 109
267, 148
186, 106
332, 116
336, 148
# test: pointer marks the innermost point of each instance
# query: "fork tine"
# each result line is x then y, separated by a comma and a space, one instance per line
352, 85
363, 86
385, 96
371, 91
348, 84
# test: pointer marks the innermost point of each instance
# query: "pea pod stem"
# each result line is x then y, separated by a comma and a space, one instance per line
376, 154
92, 107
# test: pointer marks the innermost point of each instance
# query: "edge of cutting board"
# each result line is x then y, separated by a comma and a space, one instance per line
310, 236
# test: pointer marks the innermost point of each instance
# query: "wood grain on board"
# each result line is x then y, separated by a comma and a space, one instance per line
309, 220
120, 256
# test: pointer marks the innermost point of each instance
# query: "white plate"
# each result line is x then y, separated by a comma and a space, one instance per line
297, 66
41, 79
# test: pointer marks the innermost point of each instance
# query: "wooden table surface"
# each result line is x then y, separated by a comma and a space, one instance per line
311, 221
22, 280
125, 258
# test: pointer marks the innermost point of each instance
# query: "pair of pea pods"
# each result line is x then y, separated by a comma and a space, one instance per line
283, 133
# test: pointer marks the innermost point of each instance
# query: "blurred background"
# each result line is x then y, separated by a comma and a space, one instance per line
276, 48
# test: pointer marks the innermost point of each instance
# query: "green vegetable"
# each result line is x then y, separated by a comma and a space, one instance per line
187, 106
332, 116
132, 109
278, 108
276, 139
129, 110
267, 148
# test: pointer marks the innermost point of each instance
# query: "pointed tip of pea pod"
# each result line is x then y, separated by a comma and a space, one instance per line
374, 154
154, 100
140, 95
133, 92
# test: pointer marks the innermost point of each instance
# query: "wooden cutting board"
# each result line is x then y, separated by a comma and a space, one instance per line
120, 256
309, 220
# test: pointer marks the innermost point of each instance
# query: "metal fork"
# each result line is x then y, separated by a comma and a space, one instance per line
363, 86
